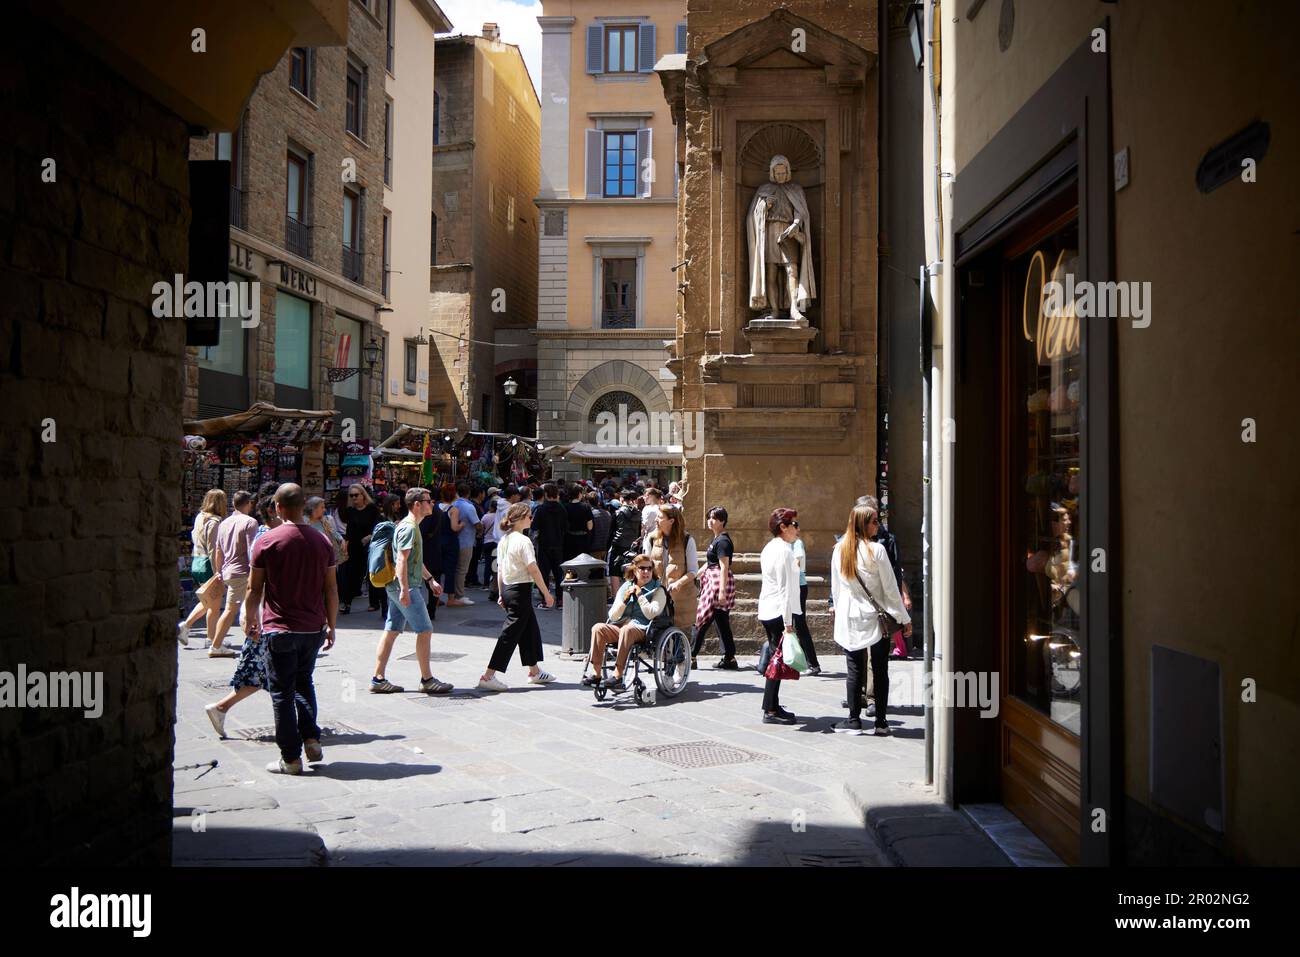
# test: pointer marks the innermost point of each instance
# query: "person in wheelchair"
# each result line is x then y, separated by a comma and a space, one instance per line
640, 600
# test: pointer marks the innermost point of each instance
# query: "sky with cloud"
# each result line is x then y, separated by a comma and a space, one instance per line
518, 23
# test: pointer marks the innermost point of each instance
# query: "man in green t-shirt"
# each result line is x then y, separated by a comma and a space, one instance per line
406, 602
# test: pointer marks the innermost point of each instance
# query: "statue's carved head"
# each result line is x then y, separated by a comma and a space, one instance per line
778, 171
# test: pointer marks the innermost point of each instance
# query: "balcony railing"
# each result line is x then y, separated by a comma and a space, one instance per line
236, 206
297, 237
618, 319
353, 265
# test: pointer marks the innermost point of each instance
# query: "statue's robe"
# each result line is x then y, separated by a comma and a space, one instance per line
756, 230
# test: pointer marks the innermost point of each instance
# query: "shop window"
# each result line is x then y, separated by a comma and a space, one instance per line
347, 355
1046, 666
292, 341
228, 355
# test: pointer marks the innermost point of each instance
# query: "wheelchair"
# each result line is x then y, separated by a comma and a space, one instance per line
665, 653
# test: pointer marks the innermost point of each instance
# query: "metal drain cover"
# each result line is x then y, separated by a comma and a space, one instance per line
700, 754
830, 859
267, 732
445, 700
434, 656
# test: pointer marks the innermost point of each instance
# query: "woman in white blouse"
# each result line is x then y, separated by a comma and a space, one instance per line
516, 572
778, 603
860, 568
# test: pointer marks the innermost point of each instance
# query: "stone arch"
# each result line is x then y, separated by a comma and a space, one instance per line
617, 375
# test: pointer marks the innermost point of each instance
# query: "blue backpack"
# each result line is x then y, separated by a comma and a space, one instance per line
379, 561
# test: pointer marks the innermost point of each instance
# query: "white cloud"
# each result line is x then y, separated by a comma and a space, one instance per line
517, 20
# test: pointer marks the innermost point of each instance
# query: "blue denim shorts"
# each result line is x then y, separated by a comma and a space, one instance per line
414, 616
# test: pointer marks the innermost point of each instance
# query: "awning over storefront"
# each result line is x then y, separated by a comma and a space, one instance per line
619, 456
261, 417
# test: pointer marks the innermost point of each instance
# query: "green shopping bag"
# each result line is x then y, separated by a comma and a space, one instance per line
792, 652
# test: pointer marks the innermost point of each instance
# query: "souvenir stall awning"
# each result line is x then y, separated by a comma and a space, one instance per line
264, 417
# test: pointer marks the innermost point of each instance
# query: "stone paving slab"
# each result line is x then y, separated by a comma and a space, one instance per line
539, 775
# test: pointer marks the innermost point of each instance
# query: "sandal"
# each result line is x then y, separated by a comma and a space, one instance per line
590, 681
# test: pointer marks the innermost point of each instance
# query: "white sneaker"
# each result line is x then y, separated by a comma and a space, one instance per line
182, 634
492, 684
543, 677
467, 601
280, 766
218, 719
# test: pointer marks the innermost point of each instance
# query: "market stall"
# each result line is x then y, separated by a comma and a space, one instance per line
414, 455
267, 444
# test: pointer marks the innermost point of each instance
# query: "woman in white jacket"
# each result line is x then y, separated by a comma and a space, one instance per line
859, 566
778, 603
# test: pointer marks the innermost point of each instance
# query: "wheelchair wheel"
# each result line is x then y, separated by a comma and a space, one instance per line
672, 662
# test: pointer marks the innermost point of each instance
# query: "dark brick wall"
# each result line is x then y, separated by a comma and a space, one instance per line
88, 577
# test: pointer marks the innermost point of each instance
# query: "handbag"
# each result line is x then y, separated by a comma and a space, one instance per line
792, 653
888, 623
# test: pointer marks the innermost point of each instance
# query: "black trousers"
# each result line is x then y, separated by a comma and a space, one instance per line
723, 619
801, 629
471, 576
520, 631
879, 674
775, 628
549, 558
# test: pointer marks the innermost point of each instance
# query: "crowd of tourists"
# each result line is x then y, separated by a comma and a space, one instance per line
288, 565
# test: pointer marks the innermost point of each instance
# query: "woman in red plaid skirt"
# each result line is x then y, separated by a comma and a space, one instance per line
718, 592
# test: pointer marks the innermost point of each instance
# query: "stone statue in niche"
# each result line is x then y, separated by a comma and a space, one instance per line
779, 229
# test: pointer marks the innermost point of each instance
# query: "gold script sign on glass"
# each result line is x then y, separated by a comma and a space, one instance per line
1046, 656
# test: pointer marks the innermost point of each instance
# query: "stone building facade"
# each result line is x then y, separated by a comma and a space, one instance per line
408, 226
788, 407
482, 282
607, 288
95, 207
307, 166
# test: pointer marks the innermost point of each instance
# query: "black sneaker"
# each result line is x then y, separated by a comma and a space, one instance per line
727, 664
778, 717
848, 726
882, 731
814, 671
432, 685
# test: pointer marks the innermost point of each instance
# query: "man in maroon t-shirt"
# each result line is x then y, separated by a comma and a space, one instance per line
291, 566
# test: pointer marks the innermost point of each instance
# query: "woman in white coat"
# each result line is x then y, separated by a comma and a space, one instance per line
778, 603
860, 567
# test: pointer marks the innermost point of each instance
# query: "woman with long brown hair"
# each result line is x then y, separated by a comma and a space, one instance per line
672, 549
361, 516
205, 568
863, 587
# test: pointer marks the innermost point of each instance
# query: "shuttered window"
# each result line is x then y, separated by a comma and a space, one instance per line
681, 38
621, 48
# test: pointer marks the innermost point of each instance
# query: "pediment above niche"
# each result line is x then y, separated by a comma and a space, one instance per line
781, 41
781, 60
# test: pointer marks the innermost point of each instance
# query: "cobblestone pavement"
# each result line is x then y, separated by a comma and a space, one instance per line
539, 774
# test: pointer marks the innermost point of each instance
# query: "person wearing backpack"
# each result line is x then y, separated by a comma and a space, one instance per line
401, 571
